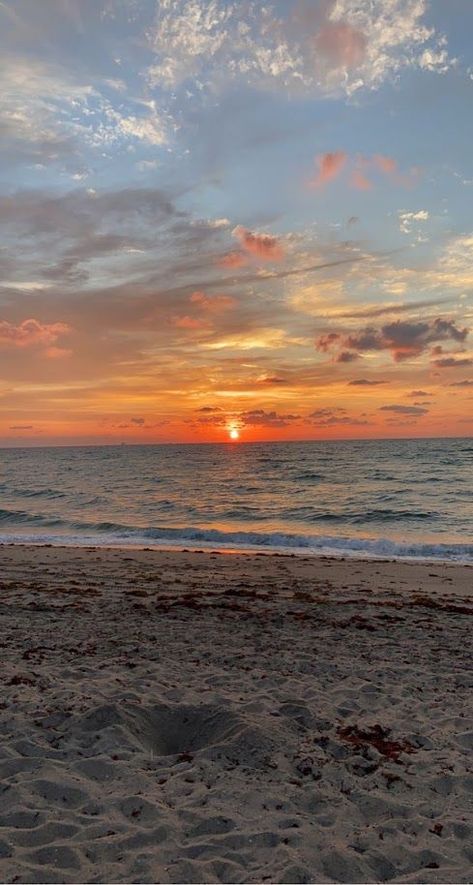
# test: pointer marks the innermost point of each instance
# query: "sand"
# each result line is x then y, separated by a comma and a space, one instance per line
196, 717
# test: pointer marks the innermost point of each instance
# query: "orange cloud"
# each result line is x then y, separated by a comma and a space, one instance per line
262, 245
214, 303
329, 165
187, 322
57, 353
31, 332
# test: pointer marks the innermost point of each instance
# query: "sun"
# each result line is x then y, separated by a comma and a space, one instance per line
233, 434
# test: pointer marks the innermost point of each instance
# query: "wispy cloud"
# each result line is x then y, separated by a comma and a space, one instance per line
331, 48
417, 411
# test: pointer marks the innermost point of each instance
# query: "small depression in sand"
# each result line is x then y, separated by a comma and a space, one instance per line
168, 731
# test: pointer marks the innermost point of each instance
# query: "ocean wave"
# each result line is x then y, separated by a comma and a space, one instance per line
387, 514
33, 493
308, 514
110, 534
22, 517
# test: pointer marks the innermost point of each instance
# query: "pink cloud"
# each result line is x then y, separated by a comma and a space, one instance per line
330, 166
31, 333
342, 44
261, 245
385, 164
360, 181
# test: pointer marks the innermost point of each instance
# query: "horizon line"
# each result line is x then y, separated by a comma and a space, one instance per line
230, 443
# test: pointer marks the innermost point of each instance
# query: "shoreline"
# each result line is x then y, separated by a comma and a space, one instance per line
348, 554
181, 717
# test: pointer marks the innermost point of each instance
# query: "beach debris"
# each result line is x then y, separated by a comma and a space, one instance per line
22, 679
377, 737
436, 829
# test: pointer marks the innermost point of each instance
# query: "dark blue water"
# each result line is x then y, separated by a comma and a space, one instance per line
397, 498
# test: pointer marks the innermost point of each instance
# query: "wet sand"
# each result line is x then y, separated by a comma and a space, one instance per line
198, 717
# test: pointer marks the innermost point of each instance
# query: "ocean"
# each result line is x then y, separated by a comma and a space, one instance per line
378, 498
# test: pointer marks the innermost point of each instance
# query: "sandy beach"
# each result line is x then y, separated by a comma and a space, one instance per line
199, 717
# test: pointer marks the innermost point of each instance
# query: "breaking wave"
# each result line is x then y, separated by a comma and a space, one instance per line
103, 534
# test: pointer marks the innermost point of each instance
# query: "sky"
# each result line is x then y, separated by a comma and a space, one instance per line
223, 218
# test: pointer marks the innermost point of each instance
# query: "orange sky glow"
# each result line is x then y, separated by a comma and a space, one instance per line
211, 228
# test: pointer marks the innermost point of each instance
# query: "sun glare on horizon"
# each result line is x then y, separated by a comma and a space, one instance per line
234, 434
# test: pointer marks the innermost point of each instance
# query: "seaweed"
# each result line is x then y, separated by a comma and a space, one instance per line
377, 737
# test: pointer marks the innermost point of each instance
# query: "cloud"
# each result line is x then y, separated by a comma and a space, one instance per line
262, 246
364, 382
342, 44
50, 114
407, 219
404, 410
332, 48
188, 322
417, 393
21, 427
386, 164
150, 129
270, 379
57, 353
454, 268
325, 412
328, 417
436, 60
247, 418
403, 339
139, 422
465, 383
261, 418
452, 362
107, 234
31, 333
217, 420
326, 342
212, 303
390, 308
347, 356
329, 167
359, 181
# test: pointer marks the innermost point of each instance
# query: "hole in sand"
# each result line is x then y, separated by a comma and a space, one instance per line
168, 731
